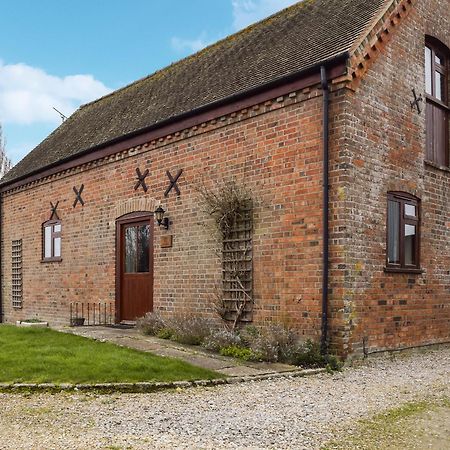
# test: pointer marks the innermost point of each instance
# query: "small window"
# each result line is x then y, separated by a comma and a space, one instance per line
402, 232
437, 104
51, 241
137, 248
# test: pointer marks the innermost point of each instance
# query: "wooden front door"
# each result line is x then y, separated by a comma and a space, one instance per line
135, 266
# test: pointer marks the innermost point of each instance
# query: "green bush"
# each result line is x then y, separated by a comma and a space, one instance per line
249, 334
165, 333
235, 351
185, 329
274, 343
333, 363
221, 338
310, 356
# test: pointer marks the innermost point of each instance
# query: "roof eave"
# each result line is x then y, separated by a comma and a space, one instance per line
337, 60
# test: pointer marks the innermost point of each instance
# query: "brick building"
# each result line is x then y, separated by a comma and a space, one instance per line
331, 116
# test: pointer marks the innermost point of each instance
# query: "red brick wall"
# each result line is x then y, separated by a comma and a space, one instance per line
273, 149
385, 145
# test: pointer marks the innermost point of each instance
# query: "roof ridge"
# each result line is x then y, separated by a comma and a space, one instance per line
283, 45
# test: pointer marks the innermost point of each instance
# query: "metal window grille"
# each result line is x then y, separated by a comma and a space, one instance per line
17, 288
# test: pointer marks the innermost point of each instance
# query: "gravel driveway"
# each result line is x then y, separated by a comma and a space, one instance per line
284, 413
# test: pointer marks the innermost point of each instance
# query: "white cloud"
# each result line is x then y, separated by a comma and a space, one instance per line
246, 12
28, 94
189, 45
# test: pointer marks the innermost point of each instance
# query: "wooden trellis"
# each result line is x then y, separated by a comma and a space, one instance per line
237, 267
17, 288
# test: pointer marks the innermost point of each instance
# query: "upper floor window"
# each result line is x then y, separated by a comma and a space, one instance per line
51, 240
403, 251
437, 109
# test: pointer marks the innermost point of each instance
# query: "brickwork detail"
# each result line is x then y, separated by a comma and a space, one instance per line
134, 204
275, 147
377, 145
385, 150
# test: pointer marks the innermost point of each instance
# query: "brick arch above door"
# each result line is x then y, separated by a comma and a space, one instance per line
131, 205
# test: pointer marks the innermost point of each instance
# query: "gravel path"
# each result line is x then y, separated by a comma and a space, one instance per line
291, 413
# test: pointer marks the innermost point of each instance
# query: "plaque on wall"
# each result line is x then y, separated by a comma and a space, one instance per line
166, 241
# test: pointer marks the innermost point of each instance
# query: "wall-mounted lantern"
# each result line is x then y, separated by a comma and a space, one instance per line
160, 219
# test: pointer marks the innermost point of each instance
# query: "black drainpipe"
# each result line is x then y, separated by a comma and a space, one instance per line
325, 263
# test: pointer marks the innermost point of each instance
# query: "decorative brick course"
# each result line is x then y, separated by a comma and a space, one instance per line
273, 149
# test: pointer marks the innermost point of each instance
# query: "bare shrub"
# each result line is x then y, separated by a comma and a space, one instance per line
230, 205
224, 204
188, 329
220, 339
151, 324
274, 343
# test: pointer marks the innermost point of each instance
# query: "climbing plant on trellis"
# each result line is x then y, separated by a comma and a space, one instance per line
232, 209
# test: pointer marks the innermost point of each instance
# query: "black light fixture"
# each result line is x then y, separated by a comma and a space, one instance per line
160, 219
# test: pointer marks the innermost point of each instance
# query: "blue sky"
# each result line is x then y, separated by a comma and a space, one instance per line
65, 53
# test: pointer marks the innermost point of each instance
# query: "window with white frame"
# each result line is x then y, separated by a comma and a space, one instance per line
51, 241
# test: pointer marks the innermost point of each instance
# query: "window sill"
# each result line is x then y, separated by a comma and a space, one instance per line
50, 260
403, 270
437, 102
437, 166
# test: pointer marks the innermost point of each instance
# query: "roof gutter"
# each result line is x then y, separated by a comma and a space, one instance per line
341, 58
325, 209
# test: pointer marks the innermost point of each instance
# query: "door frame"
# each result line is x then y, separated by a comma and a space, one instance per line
123, 220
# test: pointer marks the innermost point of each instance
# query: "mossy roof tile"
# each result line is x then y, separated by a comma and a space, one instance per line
288, 42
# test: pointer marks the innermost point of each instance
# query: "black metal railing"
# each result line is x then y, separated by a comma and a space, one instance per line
91, 313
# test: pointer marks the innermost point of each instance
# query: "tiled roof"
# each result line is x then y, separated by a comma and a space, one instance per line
293, 40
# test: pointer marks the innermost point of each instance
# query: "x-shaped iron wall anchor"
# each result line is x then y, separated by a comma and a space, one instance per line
78, 195
173, 183
141, 179
54, 213
416, 102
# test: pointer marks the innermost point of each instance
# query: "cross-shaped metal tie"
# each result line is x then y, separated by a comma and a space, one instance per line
54, 212
416, 101
173, 182
78, 195
141, 179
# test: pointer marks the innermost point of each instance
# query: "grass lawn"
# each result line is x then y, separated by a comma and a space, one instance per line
33, 355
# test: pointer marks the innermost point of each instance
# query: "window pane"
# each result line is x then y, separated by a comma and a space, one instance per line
428, 71
393, 232
410, 210
410, 245
130, 249
48, 242
144, 247
57, 247
438, 59
439, 86
57, 228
